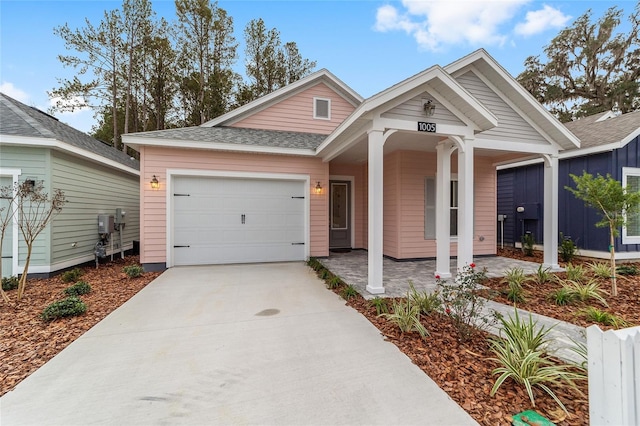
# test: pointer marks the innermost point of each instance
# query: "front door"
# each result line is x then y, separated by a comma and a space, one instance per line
340, 214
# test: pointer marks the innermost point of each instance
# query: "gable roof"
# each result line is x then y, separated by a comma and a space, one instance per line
603, 129
25, 125
435, 78
518, 95
322, 76
230, 138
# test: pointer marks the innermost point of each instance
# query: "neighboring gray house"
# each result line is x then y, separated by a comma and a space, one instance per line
609, 144
95, 177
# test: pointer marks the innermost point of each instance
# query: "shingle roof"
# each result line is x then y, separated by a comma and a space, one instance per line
239, 136
18, 119
594, 133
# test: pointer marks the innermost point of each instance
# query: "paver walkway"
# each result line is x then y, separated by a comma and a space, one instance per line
352, 268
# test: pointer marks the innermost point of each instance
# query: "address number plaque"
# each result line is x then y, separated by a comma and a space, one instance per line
426, 127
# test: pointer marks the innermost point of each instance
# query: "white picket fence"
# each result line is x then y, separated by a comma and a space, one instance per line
614, 376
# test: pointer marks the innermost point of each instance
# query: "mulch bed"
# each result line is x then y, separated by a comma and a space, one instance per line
625, 306
462, 369
27, 342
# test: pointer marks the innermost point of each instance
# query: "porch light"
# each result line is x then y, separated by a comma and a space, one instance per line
318, 188
154, 183
429, 107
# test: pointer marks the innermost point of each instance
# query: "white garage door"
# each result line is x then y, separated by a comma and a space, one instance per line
231, 220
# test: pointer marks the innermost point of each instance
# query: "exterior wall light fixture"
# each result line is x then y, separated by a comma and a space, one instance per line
154, 183
318, 188
429, 107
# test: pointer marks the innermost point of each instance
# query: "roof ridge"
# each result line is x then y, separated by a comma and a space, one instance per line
8, 101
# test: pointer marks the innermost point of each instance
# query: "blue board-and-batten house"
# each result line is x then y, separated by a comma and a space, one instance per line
610, 144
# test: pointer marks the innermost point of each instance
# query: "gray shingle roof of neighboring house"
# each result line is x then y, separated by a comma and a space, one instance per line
594, 133
18, 119
239, 136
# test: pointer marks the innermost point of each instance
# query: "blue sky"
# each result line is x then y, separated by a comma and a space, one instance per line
368, 44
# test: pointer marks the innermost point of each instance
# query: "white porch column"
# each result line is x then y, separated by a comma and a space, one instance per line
550, 216
465, 203
443, 203
376, 157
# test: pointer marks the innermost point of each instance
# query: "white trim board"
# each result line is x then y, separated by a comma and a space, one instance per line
15, 175
352, 206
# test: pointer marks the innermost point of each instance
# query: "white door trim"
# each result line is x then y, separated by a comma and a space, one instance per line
15, 176
172, 173
352, 218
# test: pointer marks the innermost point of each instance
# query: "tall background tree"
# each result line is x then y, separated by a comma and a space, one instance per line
208, 49
269, 64
589, 67
139, 73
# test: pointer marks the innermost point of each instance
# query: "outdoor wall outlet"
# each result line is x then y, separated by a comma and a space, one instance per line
74, 244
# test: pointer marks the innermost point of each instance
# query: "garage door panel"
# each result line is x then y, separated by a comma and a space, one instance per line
210, 220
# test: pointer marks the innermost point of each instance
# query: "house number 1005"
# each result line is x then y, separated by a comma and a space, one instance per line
426, 127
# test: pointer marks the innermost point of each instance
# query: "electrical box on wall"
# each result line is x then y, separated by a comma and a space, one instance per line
105, 224
120, 216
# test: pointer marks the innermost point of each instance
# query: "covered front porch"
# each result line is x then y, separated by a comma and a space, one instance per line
351, 267
421, 158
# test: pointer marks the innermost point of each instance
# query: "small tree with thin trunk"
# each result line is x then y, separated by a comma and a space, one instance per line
7, 197
614, 204
34, 209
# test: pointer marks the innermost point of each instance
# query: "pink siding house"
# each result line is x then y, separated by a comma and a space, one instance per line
409, 173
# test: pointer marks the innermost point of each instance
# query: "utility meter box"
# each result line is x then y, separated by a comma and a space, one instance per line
105, 224
120, 215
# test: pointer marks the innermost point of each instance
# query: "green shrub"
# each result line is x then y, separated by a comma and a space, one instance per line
324, 274
603, 317
71, 276
78, 289
626, 269
600, 269
541, 276
380, 304
349, 291
520, 351
133, 271
514, 278
567, 249
71, 306
528, 241
575, 273
9, 283
428, 303
334, 282
586, 292
406, 316
562, 296
462, 303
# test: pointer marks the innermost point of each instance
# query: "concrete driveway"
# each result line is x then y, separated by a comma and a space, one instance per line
237, 344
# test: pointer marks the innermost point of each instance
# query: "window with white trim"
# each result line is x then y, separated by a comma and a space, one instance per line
430, 208
322, 109
631, 180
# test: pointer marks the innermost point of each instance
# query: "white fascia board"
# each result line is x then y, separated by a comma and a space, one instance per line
216, 146
509, 146
563, 155
311, 80
482, 54
63, 146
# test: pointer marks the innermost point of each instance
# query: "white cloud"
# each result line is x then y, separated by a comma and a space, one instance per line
437, 23
10, 90
541, 20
